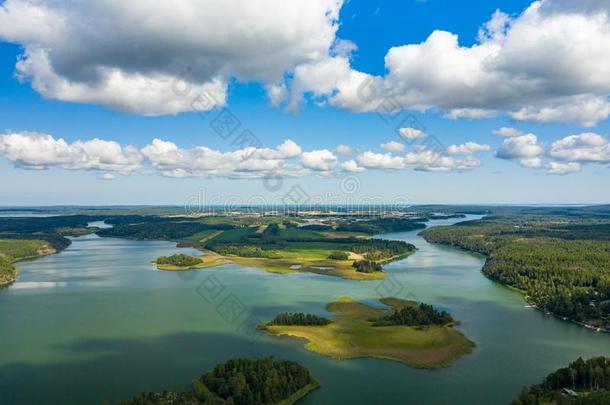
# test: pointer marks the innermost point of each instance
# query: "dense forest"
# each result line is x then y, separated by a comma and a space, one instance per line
180, 260
298, 318
382, 225
543, 257
589, 382
381, 249
240, 382
44, 224
159, 230
367, 266
416, 315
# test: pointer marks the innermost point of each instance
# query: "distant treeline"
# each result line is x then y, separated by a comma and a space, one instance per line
44, 224
160, 230
590, 379
137, 219
298, 318
240, 382
382, 225
416, 315
380, 249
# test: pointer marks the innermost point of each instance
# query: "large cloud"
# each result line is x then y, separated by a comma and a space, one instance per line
421, 158
319, 160
250, 162
587, 147
568, 154
551, 63
126, 54
40, 151
526, 148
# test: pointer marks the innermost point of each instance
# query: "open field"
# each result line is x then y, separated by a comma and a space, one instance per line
352, 335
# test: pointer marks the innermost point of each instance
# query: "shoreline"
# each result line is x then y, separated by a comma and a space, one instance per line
523, 293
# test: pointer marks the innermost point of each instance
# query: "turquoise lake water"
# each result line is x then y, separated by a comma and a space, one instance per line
97, 322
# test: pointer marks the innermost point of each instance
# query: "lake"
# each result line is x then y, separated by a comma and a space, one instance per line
97, 322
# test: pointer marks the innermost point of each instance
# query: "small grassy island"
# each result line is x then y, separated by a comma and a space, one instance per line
583, 382
254, 382
417, 335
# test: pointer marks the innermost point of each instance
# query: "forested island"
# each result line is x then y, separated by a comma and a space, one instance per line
583, 382
266, 381
416, 335
560, 262
270, 244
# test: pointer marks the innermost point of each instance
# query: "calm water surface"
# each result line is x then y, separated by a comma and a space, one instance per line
97, 322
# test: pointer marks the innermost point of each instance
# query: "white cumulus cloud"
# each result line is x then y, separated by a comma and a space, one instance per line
586, 147
551, 63
563, 168
527, 149
393, 146
319, 160
344, 149
467, 148
411, 133
32, 150
126, 55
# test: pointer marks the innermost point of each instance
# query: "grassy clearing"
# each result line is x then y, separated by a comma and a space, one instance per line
351, 335
335, 268
203, 236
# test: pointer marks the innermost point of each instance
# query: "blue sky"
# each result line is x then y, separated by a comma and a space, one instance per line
319, 123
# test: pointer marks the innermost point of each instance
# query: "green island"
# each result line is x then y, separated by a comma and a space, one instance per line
416, 335
266, 381
583, 382
275, 246
559, 261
